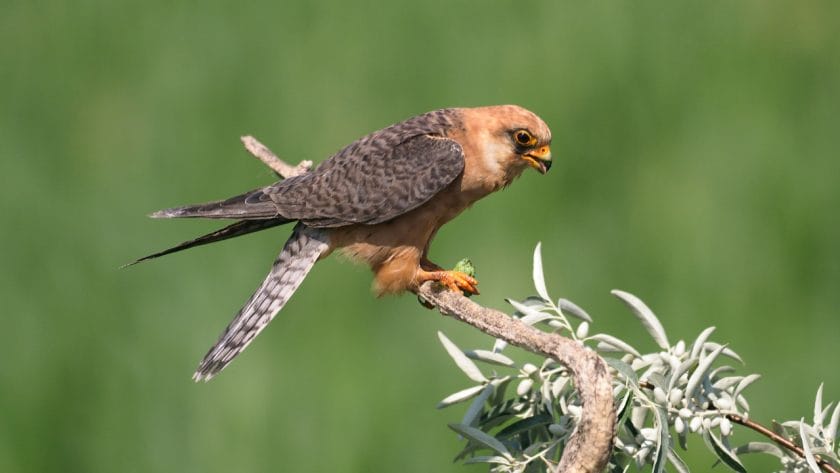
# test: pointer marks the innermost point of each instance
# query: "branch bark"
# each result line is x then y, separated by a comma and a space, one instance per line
590, 445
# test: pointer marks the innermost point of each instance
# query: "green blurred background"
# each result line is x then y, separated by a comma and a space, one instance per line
697, 166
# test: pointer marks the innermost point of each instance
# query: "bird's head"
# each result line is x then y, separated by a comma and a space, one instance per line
512, 138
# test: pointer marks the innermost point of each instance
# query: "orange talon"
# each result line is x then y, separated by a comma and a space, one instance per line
454, 280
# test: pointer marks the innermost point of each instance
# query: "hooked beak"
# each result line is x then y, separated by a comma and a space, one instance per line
539, 159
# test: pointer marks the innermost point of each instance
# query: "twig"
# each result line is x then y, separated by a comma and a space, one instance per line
272, 161
590, 445
826, 466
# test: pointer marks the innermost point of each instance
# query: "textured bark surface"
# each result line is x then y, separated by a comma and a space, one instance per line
590, 445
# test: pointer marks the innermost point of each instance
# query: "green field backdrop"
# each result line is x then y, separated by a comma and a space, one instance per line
697, 165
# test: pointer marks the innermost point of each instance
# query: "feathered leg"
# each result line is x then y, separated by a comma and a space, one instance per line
299, 254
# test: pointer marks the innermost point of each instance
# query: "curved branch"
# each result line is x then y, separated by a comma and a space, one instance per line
590, 445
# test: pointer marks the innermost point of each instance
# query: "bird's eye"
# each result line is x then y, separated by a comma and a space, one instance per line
522, 137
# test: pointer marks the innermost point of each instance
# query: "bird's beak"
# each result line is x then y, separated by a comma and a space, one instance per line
539, 159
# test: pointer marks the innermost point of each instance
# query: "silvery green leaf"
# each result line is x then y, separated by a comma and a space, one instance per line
568, 307
622, 410
477, 405
490, 357
721, 370
674, 377
834, 423
727, 382
806, 447
467, 366
460, 396
478, 436
743, 402
744, 383
539, 278
728, 458
646, 316
697, 348
701, 370
530, 315
726, 351
608, 341
678, 463
818, 407
760, 447
524, 425
663, 444
623, 369
487, 459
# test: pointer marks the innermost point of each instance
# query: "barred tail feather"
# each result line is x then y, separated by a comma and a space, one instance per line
240, 207
299, 254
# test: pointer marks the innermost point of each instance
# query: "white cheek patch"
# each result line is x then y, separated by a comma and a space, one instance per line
493, 153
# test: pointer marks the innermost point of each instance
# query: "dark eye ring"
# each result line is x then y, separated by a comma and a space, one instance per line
522, 137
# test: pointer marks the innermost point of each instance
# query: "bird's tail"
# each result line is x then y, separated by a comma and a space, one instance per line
242, 227
251, 205
299, 254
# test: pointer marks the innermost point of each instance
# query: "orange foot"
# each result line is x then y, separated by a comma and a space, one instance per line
454, 280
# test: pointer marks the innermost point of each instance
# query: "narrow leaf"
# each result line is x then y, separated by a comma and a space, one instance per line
834, 423
818, 407
678, 462
530, 315
726, 351
524, 425
539, 279
744, 383
728, 458
499, 345
624, 370
646, 316
467, 366
569, 307
622, 410
478, 436
760, 447
674, 377
806, 447
490, 357
663, 445
477, 405
727, 382
697, 348
487, 459
460, 396
615, 343
697, 376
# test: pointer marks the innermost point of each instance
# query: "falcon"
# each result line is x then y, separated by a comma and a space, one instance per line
379, 201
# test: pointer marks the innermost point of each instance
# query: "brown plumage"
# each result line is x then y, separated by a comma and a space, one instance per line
380, 201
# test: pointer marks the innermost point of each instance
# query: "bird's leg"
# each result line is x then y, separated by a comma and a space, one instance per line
454, 280
427, 265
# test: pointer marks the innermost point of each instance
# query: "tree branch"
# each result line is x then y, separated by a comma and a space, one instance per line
782, 441
826, 466
590, 445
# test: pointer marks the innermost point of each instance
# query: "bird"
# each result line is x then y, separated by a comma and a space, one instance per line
379, 201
